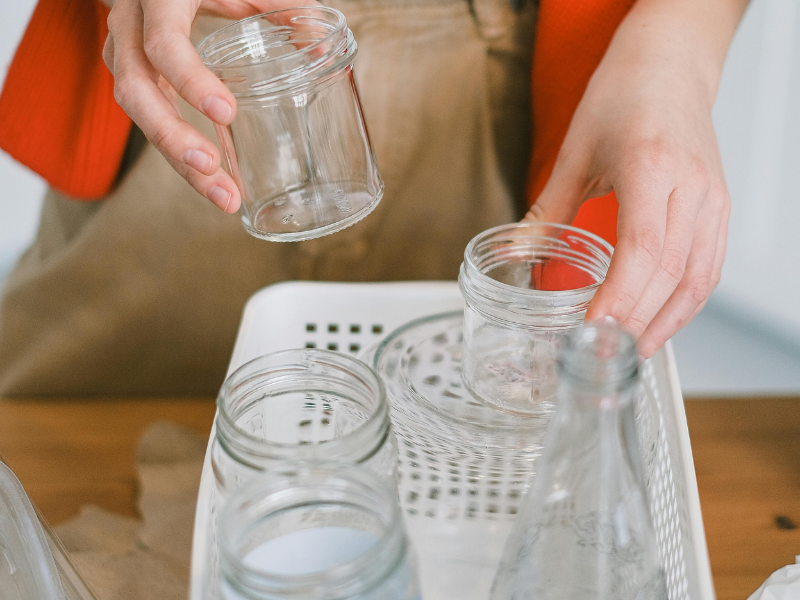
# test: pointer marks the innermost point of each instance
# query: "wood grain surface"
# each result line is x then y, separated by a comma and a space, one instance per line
746, 451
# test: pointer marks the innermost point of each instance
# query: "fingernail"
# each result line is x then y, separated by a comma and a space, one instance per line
219, 196
217, 109
199, 160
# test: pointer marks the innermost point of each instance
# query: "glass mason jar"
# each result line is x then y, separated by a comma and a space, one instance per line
315, 531
298, 148
295, 405
301, 405
525, 286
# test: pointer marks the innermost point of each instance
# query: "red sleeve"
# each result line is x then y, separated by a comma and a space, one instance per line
571, 39
57, 110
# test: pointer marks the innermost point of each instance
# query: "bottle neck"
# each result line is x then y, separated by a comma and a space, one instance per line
596, 427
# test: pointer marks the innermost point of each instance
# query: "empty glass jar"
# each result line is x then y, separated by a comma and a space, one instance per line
298, 148
296, 405
315, 531
301, 405
526, 286
464, 465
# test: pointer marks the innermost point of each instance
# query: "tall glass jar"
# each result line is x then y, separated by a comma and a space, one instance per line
315, 531
296, 405
298, 148
525, 286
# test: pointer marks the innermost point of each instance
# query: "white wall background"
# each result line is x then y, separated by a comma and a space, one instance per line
757, 118
748, 339
20, 189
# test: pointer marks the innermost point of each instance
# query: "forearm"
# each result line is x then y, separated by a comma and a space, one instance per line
700, 29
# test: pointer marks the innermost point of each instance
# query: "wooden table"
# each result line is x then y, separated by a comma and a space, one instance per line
746, 451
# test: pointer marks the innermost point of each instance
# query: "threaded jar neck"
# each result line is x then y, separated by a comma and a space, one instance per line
280, 52
534, 274
302, 405
293, 497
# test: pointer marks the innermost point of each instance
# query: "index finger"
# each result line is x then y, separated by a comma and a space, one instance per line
166, 42
641, 228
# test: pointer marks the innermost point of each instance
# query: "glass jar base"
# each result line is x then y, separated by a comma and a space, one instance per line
312, 211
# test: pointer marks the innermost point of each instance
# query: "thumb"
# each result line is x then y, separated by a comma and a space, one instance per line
566, 190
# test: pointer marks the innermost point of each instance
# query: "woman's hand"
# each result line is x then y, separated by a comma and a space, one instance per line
643, 129
153, 61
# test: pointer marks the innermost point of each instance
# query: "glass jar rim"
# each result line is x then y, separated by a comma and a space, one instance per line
286, 482
345, 49
244, 444
486, 236
532, 307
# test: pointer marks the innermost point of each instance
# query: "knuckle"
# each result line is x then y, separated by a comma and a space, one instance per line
635, 324
122, 90
161, 136
673, 264
108, 54
700, 171
652, 155
188, 83
623, 299
647, 243
158, 40
700, 287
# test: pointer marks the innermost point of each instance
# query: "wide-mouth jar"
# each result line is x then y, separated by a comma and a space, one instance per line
301, 405
315, 531
525, 286
298, 147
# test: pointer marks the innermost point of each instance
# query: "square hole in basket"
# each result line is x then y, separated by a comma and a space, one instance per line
310, 345
355, 328
377, 329
311, 327
333, 346
333, 328
354, 348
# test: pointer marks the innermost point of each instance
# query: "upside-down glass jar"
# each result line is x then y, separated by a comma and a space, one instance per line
298, 147
526, 286
296, 405
315, 531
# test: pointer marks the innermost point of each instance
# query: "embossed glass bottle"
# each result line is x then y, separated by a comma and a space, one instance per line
584, 531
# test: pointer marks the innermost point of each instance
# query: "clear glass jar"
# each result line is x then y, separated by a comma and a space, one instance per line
295, 405
301, 405
315, 531
298, 148
464, 465
526, 286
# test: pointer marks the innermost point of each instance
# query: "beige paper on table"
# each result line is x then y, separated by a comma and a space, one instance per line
148, 559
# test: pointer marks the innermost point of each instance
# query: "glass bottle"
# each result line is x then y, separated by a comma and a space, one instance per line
585, 530
315, 531
525, 287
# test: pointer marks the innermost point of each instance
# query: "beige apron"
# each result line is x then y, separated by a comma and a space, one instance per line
141, 293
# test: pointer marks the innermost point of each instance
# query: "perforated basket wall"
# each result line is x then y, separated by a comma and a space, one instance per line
353, 318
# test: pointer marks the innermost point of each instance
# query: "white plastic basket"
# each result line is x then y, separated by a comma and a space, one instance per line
351, 317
